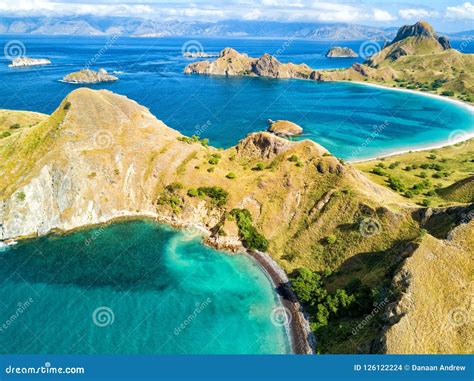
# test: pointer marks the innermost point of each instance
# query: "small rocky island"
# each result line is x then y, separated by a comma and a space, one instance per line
89, 76
339, 52
25, 62
284, 128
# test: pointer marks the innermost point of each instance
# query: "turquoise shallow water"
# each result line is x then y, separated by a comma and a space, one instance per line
134, 288
352, 121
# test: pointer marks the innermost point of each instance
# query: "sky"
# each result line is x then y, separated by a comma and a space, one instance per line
446, 16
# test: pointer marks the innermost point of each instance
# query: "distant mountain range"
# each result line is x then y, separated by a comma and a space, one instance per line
140, 27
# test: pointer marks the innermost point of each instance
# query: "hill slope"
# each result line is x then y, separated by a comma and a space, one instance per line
100, 156
416, 59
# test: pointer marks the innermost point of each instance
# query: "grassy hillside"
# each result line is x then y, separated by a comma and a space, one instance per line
12, 121
416, 59
427, 177
100, 152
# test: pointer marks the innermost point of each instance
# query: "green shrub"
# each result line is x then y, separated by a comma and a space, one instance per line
21, 196
426, 202
174, 187
214, 159
231, 175
394, 165
378, 171
259, 167
395, 184
293, 158
249, 235
331, 239
193, 192
15, 126
5, 134
216, 194
67, 105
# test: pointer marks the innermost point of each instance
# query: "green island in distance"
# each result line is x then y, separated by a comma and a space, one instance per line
352, 237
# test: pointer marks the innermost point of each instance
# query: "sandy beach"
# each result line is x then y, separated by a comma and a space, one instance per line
455, 140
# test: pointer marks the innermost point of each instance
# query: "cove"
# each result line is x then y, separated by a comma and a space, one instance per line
134, 287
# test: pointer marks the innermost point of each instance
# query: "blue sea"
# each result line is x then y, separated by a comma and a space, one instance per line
352, 121
135, 288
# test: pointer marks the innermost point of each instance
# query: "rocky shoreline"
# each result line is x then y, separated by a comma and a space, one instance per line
302, 338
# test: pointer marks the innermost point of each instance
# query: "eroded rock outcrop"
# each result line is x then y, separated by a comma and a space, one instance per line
230, 62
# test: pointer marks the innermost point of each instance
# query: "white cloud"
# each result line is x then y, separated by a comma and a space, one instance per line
416, 13
381, 15
46, 7
461, 12
212, 10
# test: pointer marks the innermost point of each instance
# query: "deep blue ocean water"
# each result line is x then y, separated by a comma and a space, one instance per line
340, 116
134, 288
